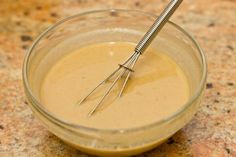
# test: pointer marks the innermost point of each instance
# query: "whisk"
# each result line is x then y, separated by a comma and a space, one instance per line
126, 68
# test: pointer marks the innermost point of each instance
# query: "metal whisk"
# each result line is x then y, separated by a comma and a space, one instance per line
126, 68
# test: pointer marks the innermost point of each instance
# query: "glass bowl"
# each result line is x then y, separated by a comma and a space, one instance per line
113, 25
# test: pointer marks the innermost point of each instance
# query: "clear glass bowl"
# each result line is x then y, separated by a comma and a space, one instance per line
113, 25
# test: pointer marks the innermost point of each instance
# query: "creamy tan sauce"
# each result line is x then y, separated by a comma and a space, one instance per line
157, 89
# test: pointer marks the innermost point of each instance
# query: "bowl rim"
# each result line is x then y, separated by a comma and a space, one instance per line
59, 121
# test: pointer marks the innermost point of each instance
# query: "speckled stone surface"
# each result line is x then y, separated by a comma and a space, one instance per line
212, 132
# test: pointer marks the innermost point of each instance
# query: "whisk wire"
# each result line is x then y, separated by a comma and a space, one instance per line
130, 63
107, 78
128, 75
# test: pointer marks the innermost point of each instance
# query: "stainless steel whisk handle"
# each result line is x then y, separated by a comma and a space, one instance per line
157, 26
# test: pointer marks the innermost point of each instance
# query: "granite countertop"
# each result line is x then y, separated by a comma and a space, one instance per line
212, 132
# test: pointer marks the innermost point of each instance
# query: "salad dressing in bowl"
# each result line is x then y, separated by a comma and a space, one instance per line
69, 59
157, 89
